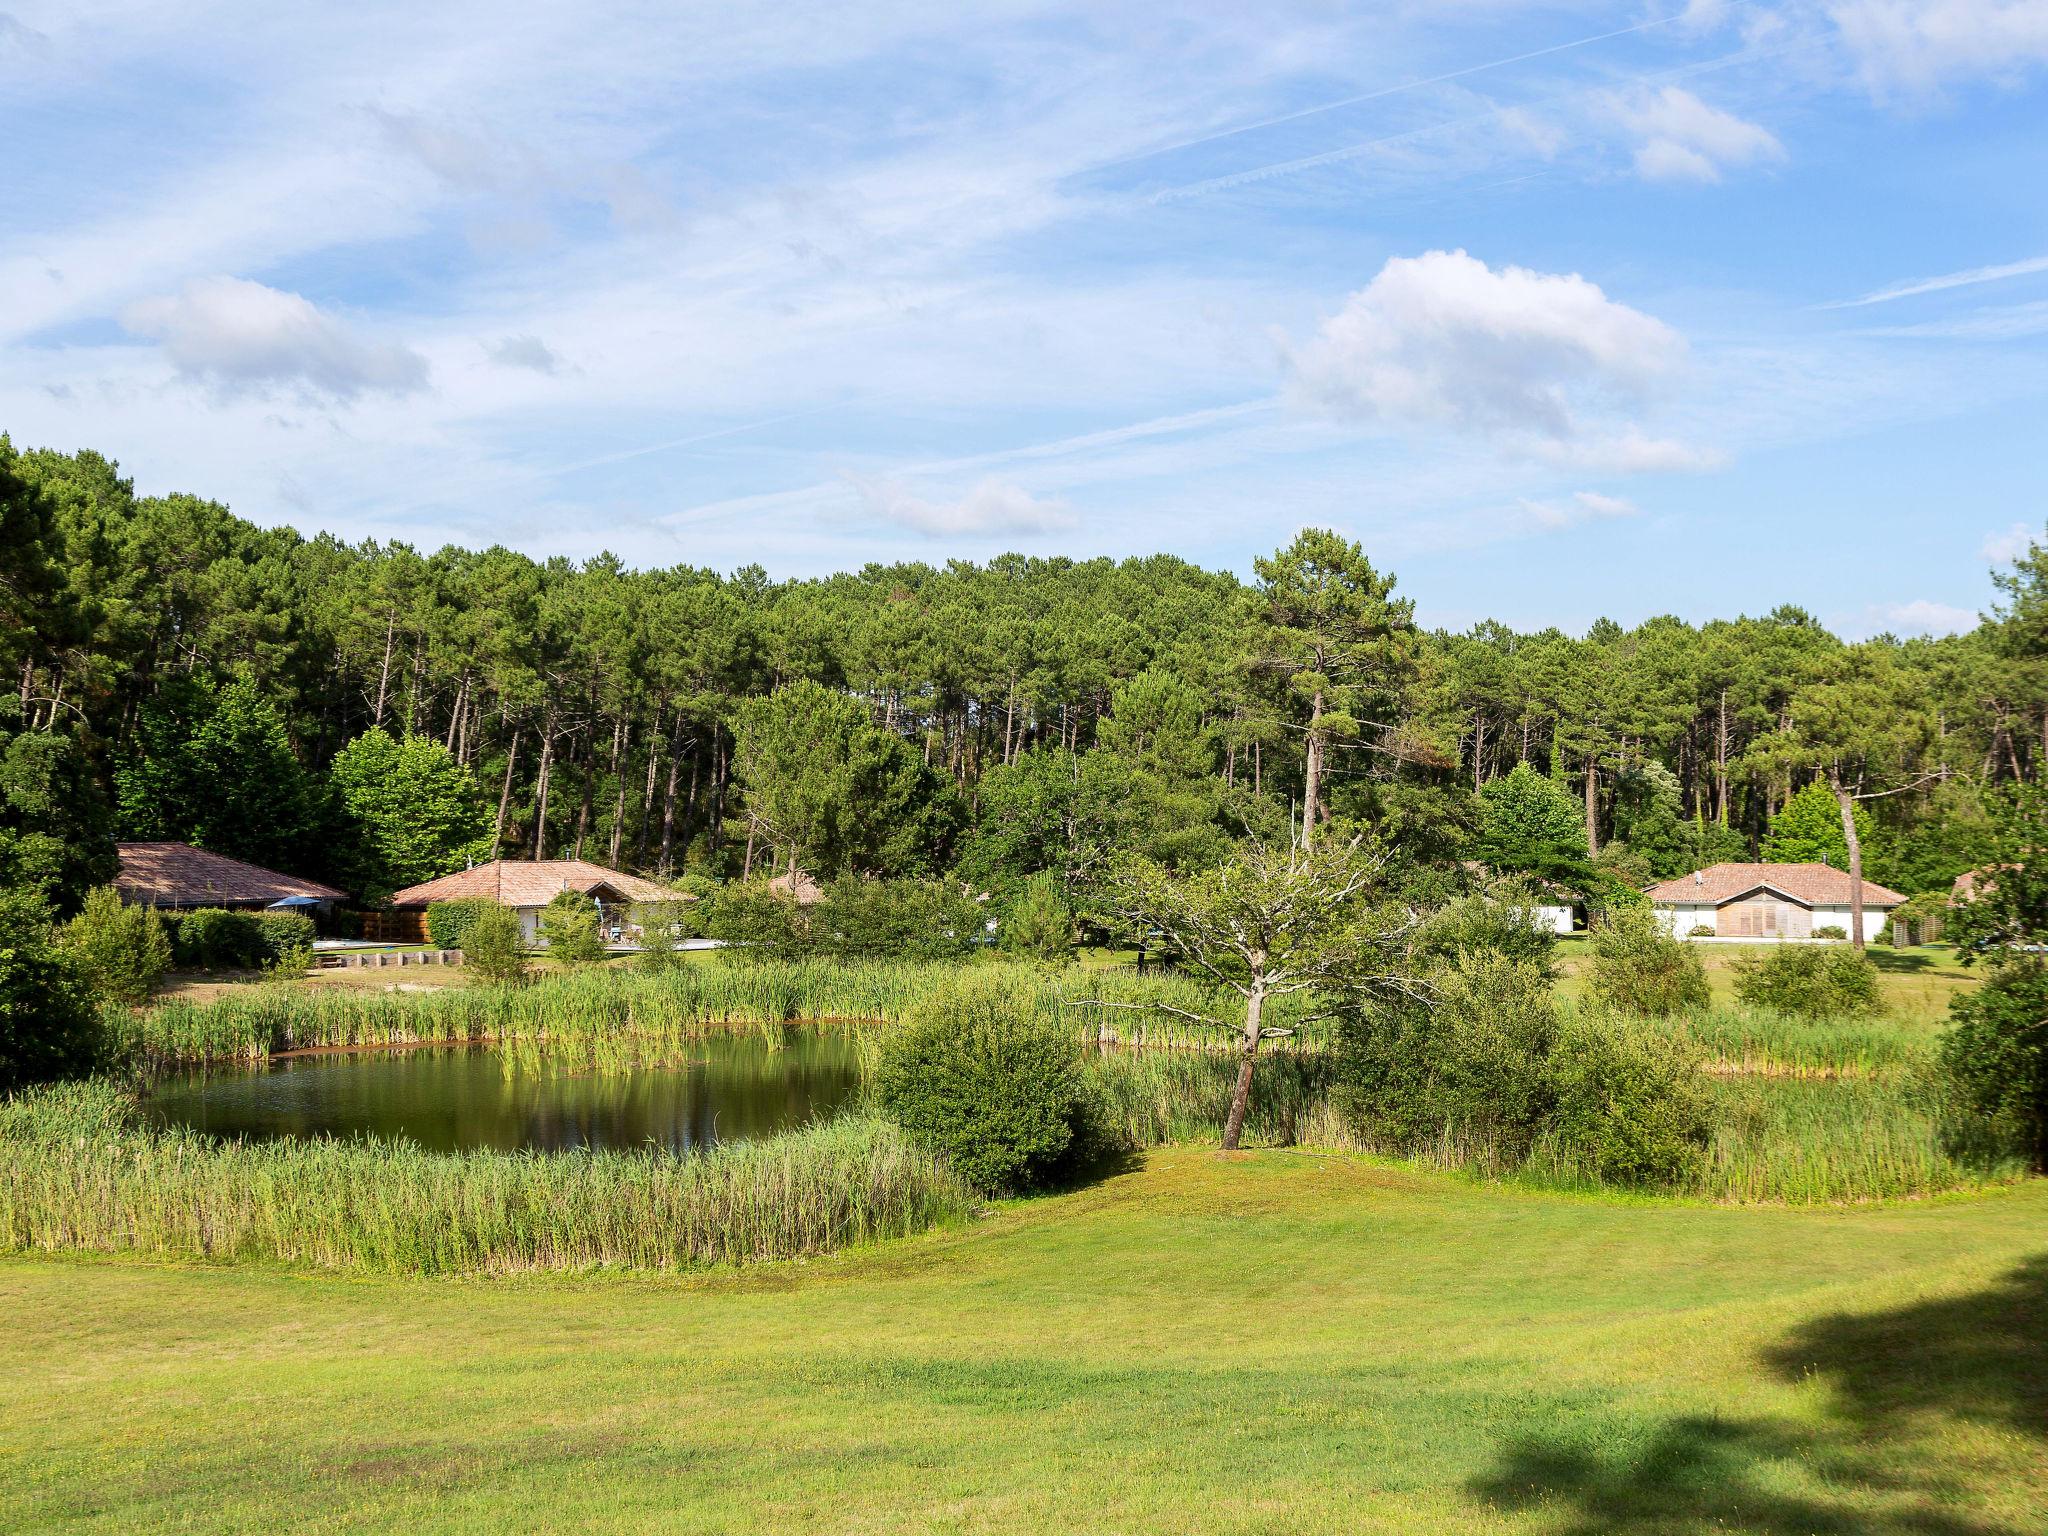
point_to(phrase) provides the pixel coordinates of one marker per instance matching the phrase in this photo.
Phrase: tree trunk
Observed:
(1721, 761)
(384, 676)
(619, 791)
(1312, 777)
(505, 796)
(1592, 806)
(1241, 1097)
(540, 792)
(1848, 804)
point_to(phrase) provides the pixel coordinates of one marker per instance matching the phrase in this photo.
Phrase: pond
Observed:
(723, 1088)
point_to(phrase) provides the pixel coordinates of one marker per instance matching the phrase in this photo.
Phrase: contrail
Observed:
(1963, 279)
(1391, 90)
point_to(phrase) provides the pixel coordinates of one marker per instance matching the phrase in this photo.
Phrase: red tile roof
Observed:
(1811, 885)
(179, 875)
(527, 883)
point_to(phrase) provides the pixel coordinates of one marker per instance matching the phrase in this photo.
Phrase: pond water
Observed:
(724, 1088)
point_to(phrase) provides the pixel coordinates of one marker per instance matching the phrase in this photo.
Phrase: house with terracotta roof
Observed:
(1768, 901)
(179, 877)
(528, 885)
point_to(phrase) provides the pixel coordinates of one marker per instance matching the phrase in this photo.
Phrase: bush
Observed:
(663, 927)
(895, 920)
(1831, 931)
(120, 952)
(572, 928)
(1809, 981)
(1039, 925)
(286, 939)
(1510, 928)
(1472, 1064)
(492, 949)
(215, 939)
(978, 1074)
(1640, 969)
(47, 1028)
(754, 923)
(449, 922)
(1702, 931)
(1995, 1056)
(1632, 1106)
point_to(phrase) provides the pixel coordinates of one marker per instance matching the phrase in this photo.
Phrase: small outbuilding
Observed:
(528, 885)
(1768, 901)
(179, 877)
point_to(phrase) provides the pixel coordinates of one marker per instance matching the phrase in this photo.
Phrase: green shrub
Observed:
(287, 940)
(1509, 927)
(215, 939)
(1640, 969)
(663, 927)
(1702, 931)
(449, 922)
(47, 1028)
(1471, 1064)
(755, 923)
(1831, 931)
(1809, 981)
(979, 1074)
(572, 928)
(119, 951)
(493, 948)
(1632, 1105)
(1039, 925)
(862, 919)
(1995, 1057)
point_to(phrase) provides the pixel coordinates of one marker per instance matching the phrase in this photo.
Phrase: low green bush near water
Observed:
(980, 1075)
(119, 951)
(80, 1169)
(215, 939)
(1641, 970)
(1810, 981)
(493, 947)
(571, 927)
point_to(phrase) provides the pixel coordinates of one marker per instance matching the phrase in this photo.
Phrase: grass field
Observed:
(1916, 983)
(1274, 1343)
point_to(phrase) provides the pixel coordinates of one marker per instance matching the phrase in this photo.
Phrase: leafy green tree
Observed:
(832, 793)
(47, 1029)
(119, 951)
(1640, 969)
(1529, 825)
(571, 929)
(1332, 630)
(1269, 924)
(900, 919)
(1039, 925)
(1809, 829)
(56, 829)
(215, 768)
(410, 810)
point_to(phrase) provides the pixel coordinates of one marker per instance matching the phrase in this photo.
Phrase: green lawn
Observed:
(1280, 1343)
(1916, 983)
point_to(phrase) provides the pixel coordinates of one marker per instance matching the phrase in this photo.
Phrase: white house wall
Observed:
(1680, 920)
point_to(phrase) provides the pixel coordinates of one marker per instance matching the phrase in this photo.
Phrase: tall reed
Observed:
(79, 1171)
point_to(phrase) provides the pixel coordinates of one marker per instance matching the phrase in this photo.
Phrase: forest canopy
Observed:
(178, 671)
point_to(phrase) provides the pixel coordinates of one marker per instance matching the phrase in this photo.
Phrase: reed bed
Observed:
(79, 1171)
(1758, 1041)
(591, 1015)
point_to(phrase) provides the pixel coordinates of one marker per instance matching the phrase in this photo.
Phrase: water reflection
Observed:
(724, 1088)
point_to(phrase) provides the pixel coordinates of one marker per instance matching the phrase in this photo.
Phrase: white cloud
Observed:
(2002, 548)
(991, 506)
(1924, 617)
(1539, 133)
(1684, 139)
(1542, 359)
(1968, 278)
(242, 336)
(1582, 507)
(523, 352)
(1916, 46)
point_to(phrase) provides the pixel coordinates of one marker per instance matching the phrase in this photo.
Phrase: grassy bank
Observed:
(1273, 1343)
(79, 1172)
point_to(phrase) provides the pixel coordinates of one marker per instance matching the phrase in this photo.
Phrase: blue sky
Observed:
(1563, 310)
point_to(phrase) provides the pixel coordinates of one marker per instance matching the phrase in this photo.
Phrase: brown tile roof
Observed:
(1811, 885)
(179, 875)
(799, 885)
(526, 883)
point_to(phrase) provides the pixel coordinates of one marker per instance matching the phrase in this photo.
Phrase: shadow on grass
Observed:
(1899, 1381)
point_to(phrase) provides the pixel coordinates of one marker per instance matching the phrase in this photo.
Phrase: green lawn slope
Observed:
(1278, 1343)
